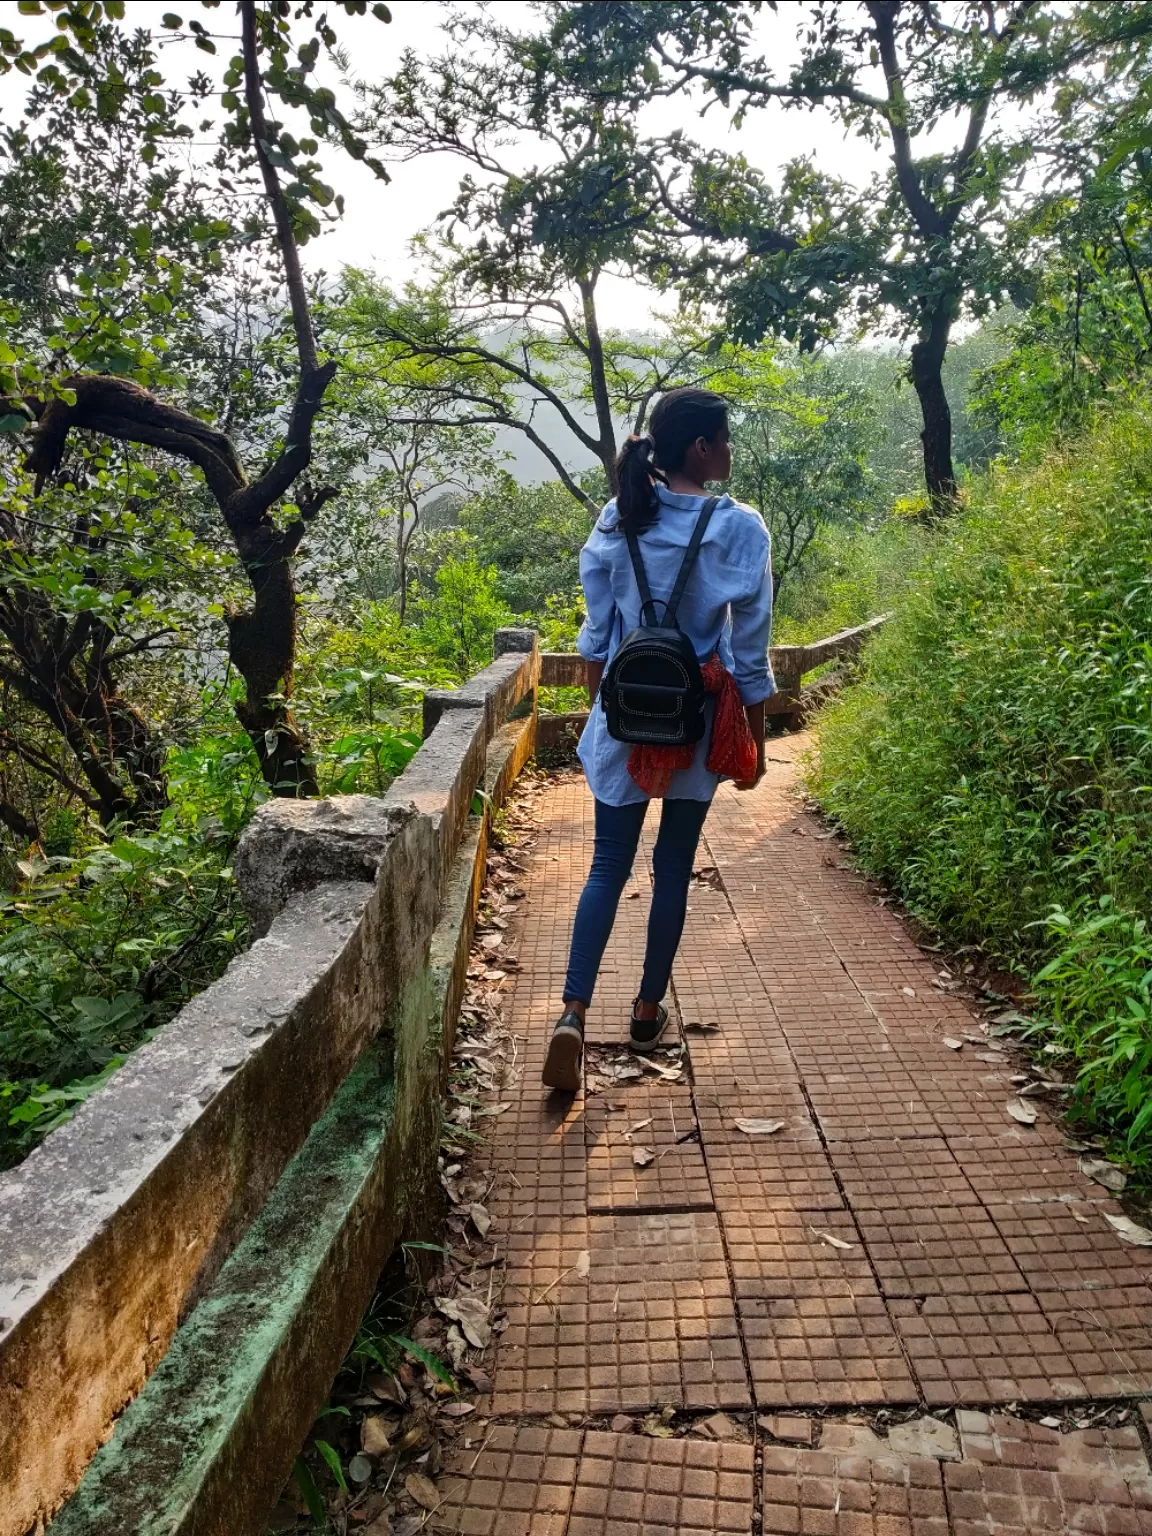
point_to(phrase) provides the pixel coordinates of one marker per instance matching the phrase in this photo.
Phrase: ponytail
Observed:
(636, 474)
(680, 417)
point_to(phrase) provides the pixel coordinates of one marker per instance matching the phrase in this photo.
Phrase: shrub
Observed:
(99, 947)
(994, 763)
(852, 575)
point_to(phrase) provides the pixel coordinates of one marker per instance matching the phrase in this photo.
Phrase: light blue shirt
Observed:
(727, 607)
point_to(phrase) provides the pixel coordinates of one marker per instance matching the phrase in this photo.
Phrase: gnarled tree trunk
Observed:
(262, 637)
(927, 363)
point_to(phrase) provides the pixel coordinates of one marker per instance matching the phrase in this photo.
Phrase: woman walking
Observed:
(664, 557)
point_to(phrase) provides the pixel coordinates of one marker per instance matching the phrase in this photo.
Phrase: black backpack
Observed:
(653, 693)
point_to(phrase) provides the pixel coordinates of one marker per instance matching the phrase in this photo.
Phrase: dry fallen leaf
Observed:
(952, 1044)
(478, 1376)
(639, 1126)
(759, 1127)
(457, 1410)
(583, 1264)
(643, 1157)
(1022, 1111)
(480, 1219)
(908, 991)
(669, 1074)
(472, 1315)
(1103, 1172)
(387, 1388)
(1129, 1231)
(423, 1490)
(374, 1439)
(627, 1074)
(833, 1242)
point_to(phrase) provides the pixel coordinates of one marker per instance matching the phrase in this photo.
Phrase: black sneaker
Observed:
(562, 1064)
(644, 1034)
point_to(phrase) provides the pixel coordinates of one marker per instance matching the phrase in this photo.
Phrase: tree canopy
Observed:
(929, 241)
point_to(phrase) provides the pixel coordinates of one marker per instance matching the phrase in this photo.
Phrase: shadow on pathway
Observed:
(900, 1242)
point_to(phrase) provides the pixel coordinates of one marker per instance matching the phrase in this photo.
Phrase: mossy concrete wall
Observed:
(206, 1447)
(218, 1413)
(208, 1444)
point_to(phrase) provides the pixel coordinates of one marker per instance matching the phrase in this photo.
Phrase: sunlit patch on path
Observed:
(817, 1208)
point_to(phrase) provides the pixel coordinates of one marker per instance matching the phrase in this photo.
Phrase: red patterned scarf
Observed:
(733, 749)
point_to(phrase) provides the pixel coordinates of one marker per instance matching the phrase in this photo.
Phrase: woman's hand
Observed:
(751, 783)
(755, 713)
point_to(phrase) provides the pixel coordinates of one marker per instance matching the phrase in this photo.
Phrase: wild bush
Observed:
(994, 762)
(106, 935)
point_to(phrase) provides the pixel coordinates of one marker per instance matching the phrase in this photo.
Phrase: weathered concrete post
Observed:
(207, 1231)
(497, 689)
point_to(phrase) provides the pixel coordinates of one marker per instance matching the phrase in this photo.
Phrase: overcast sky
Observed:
(380, 221)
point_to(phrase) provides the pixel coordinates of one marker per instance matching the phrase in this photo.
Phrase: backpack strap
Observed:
(689, 561)
(686, 565)
(646, 599)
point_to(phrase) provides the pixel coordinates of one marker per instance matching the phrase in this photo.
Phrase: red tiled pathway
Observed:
(900, 1242)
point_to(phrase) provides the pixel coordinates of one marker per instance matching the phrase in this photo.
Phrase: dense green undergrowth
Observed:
(854, 574)
(106, 932)
(994, 762)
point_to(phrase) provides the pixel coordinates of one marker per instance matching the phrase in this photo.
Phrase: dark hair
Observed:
(680, 417)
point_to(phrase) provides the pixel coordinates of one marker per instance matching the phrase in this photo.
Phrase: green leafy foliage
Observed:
(309, 1491)
(102, 941)
(799, 458)
(1097, 995)
(460, 617)
(532, 535)
(994, 763)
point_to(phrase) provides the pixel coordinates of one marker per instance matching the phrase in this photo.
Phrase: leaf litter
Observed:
(830, 1239)
(1021, 1111)
(402, 1416)
(1104, 1172)
(1129, 1231)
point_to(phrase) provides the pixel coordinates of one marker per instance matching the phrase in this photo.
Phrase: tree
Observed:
(923, 244)
(104, 245)
(462, 613)
(533, 535)
(399, 459)
(50, 382)
(1088, 329)
(800, 456)
(522, 254)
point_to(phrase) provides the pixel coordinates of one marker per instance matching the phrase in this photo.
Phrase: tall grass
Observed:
(994, 762)
(853, 575)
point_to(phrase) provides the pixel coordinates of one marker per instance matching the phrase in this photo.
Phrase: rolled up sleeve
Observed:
(752, 633)
(599, 605)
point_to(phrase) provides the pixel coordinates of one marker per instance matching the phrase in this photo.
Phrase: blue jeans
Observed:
(617, 837)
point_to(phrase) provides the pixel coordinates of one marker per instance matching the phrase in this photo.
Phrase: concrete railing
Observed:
(183, 1266)
(790, 663)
